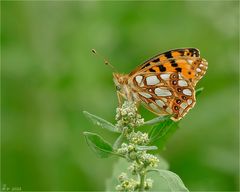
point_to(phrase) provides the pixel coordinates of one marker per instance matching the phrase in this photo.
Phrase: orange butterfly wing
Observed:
(166, 83)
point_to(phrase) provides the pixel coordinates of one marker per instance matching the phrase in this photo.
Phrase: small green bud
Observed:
(119, 188)
(149, 160)
(148, 184)
(132, 168)
(131, 147)
(127, 115)
(123, 150)
(138, 138)
(122, 177)
(133, 155)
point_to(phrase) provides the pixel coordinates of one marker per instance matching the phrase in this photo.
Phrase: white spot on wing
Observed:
(180, 76)
(182, 83)
(139, 79)
(162, 92)
(169, 110)
(201, 65)
(154, 107)
(190, 61)
(187, 92)
(184, 105)
(152, 80)
(146, 95)
(198, 70)
(160, 103)
(189, 101)
(180, 110)
(165, 76)
(164, 99)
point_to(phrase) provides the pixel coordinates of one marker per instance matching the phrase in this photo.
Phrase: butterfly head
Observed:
(121, 82)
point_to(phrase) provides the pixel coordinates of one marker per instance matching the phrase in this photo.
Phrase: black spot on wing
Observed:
(156, 60)
(168, 54)
(152, 70)
(162, 68)
(173, 63)
(194, 52)
(181, 52)
(178, 69)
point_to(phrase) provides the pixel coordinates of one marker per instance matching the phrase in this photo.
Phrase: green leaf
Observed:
(101, 122)
(165, 180)
(161, 132)
(199, 91)
(98, 144)
(146, 148)
(158, 130)
(163, 164)
(157, 120)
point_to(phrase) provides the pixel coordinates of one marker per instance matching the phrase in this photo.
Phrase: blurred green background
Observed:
(49, 76)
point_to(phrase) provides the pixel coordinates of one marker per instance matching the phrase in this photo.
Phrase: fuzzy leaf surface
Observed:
(165, 180)
(161, 132)
(157, 120)
(146, 148)
(98, 144)
(101, 122)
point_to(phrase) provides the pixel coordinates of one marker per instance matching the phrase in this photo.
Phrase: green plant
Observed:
(145, 171)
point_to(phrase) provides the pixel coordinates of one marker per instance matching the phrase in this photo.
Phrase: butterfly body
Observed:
(165, 84)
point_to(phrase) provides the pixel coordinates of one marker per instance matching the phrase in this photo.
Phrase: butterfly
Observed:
(164, 84)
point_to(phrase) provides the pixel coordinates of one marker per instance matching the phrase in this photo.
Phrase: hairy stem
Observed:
(119, 141)
(142, 180)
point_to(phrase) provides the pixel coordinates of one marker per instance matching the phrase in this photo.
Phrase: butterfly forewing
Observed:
(166, 56)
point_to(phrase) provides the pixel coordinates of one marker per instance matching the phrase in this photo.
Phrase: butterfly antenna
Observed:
(106, 62)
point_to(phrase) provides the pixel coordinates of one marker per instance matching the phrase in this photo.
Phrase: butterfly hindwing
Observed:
(165, 93)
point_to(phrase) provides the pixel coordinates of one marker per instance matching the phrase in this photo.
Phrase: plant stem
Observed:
(142, 180)
(119, 141)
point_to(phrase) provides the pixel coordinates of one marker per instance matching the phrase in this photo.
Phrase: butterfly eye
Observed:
(118, 88)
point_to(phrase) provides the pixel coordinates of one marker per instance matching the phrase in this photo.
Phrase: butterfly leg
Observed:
(120, 99)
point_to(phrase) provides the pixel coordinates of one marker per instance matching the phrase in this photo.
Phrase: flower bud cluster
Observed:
(148, 184)
(128, 119)
(126, 150)
(126, 184)
(149, 159)
(127, 116)
(135, 167)
(138, 138)
(130, 185)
